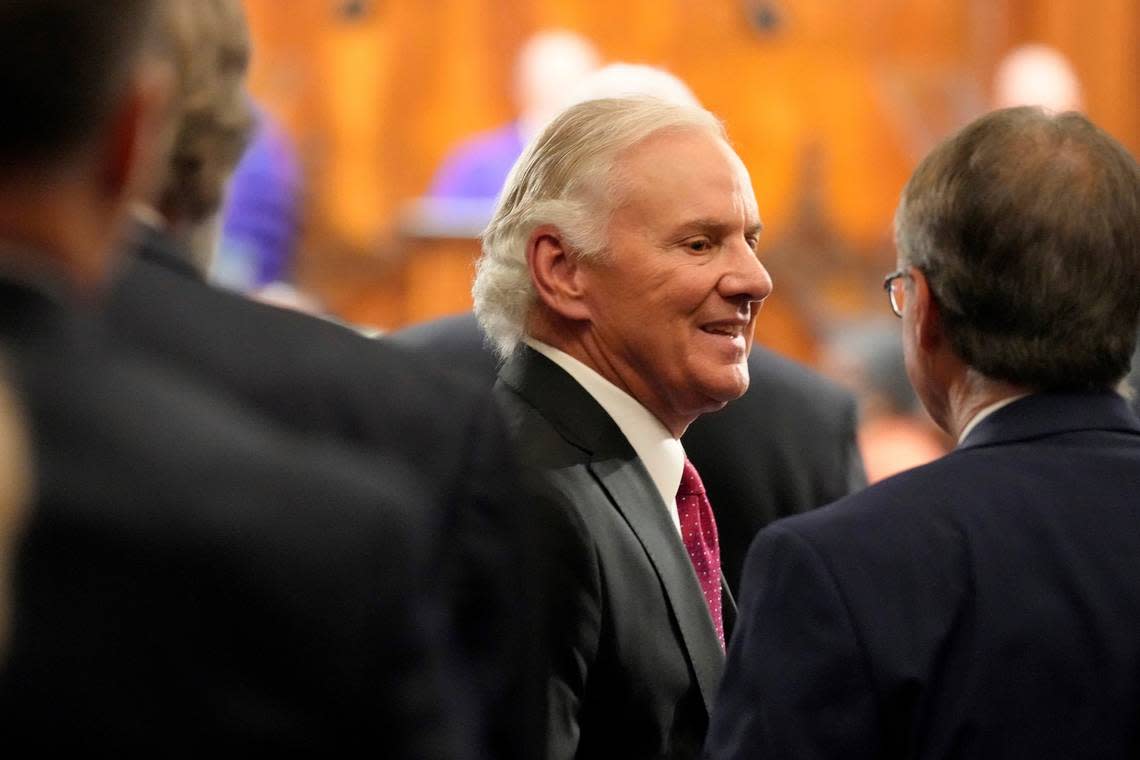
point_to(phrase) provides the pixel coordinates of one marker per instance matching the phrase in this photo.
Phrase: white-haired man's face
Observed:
(674, 302)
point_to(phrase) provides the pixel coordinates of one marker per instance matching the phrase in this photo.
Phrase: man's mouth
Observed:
(729, 329)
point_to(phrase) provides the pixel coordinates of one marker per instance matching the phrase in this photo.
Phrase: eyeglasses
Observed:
(896, 294)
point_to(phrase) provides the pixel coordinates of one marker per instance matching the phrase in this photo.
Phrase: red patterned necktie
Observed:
(698, 530)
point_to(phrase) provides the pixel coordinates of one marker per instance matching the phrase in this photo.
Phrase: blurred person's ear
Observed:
(932, 365)
(138, 137)
(927, 322)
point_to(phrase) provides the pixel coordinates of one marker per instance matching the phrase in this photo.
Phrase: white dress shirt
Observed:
(661, 453)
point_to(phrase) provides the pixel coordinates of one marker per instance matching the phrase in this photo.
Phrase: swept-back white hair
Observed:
(565, 178)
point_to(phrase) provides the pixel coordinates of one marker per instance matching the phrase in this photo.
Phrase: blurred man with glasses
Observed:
(986, 604)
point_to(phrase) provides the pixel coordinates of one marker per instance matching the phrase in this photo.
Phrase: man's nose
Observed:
(747, 279)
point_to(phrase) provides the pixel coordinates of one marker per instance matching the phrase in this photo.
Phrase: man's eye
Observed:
(698, 245)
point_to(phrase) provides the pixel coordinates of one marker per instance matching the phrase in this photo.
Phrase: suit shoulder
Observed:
(904, 507)
(788, 380)
(457, 331)
(455, 341)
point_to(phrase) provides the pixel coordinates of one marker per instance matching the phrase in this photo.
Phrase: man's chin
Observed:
(723, 394)
(733, 384)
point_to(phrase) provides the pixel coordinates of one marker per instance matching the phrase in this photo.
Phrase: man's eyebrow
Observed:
(715, 227)
(706, 224)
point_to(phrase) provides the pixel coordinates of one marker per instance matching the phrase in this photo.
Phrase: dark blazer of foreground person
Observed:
(190, 580)
(325, 380)
(786, 446)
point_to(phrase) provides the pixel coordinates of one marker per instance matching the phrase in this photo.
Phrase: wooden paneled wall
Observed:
(829, 104)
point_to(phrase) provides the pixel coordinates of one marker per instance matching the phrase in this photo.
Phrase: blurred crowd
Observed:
(229, 522)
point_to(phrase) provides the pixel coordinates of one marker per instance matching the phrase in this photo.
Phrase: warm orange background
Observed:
(830, 110)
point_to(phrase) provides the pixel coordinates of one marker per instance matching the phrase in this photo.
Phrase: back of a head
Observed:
(551, 62)
(61, 61)
(568, 177)
(1027, 226)
(208, 43)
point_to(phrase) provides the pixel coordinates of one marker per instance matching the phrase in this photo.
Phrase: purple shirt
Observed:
(261, 220)
(478, 167)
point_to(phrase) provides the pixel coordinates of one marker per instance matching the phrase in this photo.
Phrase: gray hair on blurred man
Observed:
(207, 41)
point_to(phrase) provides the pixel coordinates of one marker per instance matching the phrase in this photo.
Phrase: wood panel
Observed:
(1102, 39)
(830, 105)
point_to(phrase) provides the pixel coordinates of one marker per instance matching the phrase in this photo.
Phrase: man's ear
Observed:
(927, 316)
(137, 141)
(557, 273)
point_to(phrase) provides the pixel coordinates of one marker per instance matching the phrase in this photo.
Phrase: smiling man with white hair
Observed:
(620, 282)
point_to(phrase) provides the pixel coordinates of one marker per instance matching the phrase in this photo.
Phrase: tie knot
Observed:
(691, 484)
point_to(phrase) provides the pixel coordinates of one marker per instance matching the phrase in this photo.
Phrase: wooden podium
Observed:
(440, 238)
(425, 269)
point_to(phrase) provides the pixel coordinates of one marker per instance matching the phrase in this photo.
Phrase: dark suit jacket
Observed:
(786, 446)
(192, 581)
(986, 605)
(635, 656)
(329, 382)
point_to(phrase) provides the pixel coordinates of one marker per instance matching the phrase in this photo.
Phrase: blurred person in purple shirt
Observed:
(261, 220)
(549, 65)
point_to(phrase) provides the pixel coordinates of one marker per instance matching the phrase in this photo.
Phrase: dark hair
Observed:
(1027, 227)
(60, 63)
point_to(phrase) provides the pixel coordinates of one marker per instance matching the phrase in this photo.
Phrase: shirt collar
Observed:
(986, 411)
(660, 452)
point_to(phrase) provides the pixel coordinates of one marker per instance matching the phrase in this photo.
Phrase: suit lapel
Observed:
(632, 493)
(612, 463)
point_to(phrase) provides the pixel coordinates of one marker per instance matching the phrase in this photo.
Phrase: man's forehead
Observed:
(677, 137)
(677, 162)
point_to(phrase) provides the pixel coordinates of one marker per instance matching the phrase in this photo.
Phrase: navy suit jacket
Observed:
(986, 605)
